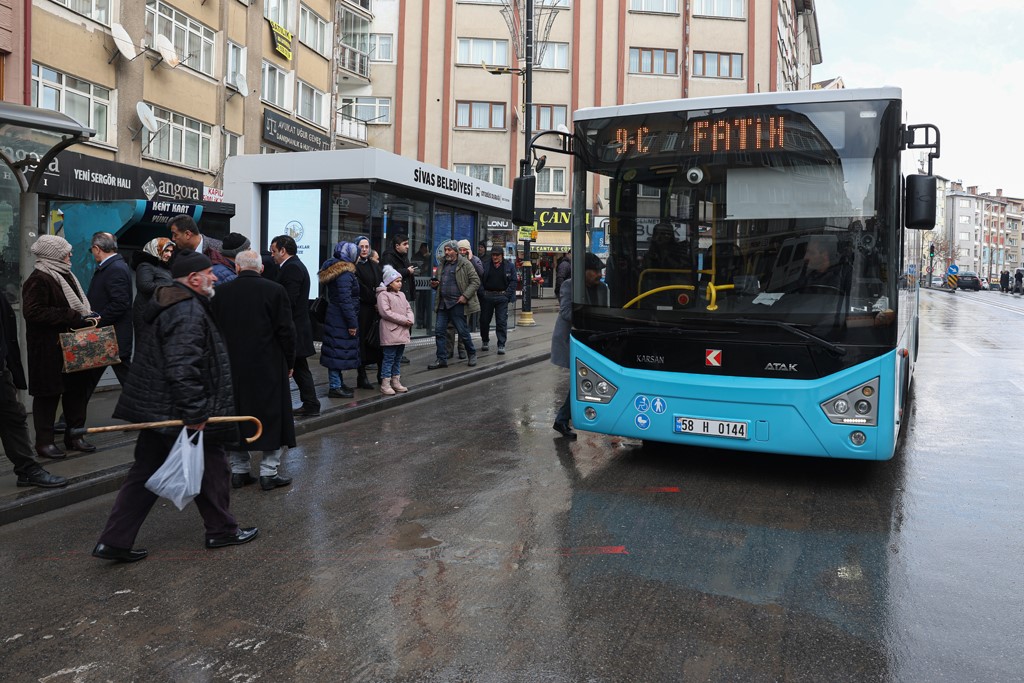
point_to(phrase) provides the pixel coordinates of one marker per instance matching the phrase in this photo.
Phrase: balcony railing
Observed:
(355, 61)
(351, 128)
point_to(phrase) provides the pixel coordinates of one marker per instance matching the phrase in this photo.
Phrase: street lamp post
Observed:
(525, 316)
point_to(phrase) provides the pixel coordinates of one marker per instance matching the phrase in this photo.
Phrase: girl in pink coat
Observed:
(396, 320)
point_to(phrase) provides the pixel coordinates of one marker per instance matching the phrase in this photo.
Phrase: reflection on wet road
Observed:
(458, 540)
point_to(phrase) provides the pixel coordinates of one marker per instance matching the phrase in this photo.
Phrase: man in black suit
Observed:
(13, 419)
(110, 294)
(294, 277)
(255, 319)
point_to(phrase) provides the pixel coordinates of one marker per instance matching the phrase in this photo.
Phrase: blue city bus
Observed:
(760, 286)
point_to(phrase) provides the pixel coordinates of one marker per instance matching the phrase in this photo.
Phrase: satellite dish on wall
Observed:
(167, 52)
(147, 118)
(123, 43)
(240, 84)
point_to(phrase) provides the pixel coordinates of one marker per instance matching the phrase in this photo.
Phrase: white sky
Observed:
(960, 65)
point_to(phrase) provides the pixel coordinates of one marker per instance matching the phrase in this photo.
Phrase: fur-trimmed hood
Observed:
(333, 269)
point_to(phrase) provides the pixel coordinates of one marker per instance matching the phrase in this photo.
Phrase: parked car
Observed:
(968, 279)
(938, 281)
(984, 282)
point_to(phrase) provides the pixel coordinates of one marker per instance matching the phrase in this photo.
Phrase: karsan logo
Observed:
(649, 359)
(781, 367)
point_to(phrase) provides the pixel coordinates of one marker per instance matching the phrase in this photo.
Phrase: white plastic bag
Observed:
(179, 478)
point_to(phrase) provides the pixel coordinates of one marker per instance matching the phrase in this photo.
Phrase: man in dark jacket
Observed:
(255, 320)
(182, 372)
(110, 294)
(498, 284)
(397, 256)
(13, 418)
(294, 277)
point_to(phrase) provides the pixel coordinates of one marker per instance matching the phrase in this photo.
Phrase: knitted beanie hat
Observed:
(51, 247)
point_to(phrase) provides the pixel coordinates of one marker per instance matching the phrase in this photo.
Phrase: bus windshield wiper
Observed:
(793, 329)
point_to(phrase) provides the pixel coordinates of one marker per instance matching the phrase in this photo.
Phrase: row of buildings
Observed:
(173, 88)
(977, 231)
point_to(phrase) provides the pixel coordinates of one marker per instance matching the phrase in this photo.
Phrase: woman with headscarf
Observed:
(53, 301)
(369, 273)
(340, 348)
(152, 270)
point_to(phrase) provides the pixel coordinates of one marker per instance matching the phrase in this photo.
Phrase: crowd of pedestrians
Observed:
(188, 355)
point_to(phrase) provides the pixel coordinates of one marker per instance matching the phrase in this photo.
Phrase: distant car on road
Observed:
(968, 279)
(938, 281)
(984, 282)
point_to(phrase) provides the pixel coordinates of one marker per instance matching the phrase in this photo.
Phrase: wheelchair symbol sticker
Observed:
(642, 404)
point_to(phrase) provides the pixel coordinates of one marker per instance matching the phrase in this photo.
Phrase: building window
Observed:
(311, 104)
(965, 203)
(232, 144)
(556, 56)
(180, 140)
(83, 101)
(648, 191)
(235, 65)
(718, 65)
(314, 32)
(549, 116)
(472, 51)
(97, 10)
(354, 52)
(367, 109)
(663, 6)
(275, 86)
(381, 47)
(278, 11)
(193, 42)
(964, 236)
(490, 115)
(644, 60)
(490, 174)
(551, 181)
(965, 219)
(730, 9)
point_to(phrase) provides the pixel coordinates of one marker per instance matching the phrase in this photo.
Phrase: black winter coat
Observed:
(294, 277)
(400, 262)
(110, 295)
(150, 273)
(340, 350)
(47, 314)
(369, 274)
(10, 353)
(181, 369)
(255, 321)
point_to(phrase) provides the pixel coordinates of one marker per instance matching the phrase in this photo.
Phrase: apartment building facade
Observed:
(984, 230)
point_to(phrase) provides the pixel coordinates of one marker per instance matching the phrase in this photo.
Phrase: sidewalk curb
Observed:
(37, 501)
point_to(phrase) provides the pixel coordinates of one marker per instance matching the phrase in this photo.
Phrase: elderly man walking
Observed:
(110, 294)
(456, 283)
(181, 372)
(255, 319)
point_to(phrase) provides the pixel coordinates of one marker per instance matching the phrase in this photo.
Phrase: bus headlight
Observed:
(592, 387)
(837, 408)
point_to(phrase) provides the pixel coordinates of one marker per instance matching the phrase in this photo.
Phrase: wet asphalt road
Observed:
(459, 540)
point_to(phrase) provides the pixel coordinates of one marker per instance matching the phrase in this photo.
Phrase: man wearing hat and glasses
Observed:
(181, 372)
(498, 283)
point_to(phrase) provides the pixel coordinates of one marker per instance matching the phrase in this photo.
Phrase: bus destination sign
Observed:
(707, 135)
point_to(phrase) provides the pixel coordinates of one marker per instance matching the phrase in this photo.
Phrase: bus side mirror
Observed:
(524, 196)
(919, 210)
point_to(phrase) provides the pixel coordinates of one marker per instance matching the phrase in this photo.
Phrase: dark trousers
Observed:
(565, 412)
(457, 315)
(120, 371)
(307, 388)
(14, 426)
(74, 400)
(134, 500)
(496, 305)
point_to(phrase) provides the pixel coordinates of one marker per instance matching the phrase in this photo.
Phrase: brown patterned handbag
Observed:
(90, 347)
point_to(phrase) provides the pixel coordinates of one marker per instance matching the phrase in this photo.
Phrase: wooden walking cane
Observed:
(137, 426)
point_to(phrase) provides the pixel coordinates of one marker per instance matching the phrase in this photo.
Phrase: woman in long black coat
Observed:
(151, 271)
(51, 306)
(340, 348)
(369, 273)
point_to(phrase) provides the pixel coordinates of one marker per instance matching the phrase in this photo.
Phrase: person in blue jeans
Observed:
(498, 283)
(456, 283)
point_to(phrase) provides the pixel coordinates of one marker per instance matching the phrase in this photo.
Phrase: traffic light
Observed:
(931, 250)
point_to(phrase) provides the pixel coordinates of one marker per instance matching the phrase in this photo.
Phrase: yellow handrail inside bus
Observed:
(666, 288)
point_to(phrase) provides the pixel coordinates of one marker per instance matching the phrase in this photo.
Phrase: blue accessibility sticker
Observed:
(642, 404)
(642, 421)
(658, 405)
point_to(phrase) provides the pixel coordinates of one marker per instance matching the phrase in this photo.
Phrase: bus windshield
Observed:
(773, 214)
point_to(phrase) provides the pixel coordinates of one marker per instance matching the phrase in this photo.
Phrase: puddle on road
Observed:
(412, 536)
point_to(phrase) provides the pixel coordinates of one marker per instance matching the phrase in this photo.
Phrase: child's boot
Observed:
(396, 384)
(385, 387)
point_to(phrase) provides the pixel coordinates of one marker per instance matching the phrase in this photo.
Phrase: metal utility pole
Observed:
(525, 316)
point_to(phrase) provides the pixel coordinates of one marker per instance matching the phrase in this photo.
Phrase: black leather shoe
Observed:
(405, 360)
(240, 479)
(42, 479)
(484, 346)
(270, 483)
(364, 383)
(305, 412)
(50, 451)
(565, 430)
(472, 360)
(240, 537)
(79, 444)
(437, 364)
(343, 392)
(109, 552)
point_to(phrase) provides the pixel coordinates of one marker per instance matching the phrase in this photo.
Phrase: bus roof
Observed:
(744, 100)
